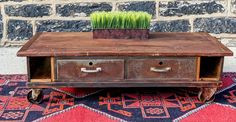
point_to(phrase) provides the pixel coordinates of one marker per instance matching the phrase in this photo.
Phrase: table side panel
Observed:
(127, 83)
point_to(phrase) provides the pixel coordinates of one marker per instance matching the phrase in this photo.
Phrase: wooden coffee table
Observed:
(75, 59)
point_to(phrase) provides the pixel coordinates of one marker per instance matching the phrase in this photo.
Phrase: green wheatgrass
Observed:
(120, 20)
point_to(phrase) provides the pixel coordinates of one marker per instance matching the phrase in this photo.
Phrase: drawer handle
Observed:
(165, 69)
(98, 69)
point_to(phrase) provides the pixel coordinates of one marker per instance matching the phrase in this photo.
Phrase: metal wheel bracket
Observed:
(35, 93)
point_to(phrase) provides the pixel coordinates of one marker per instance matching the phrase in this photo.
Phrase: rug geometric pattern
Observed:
(136, 104)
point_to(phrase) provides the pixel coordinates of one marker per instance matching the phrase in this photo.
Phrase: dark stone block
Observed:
(63, 26)
(180, 8)
(148, 6)
(171, 26)
(82, 9)
(19, 30)
(215, 25)
(31, 10)
(1, 26)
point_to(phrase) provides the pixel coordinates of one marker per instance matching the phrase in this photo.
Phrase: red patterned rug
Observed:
(107, 105)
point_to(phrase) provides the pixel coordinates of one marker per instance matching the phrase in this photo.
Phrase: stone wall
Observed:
(20, 19)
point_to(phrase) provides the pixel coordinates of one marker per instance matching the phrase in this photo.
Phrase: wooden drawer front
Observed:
(90, 70)
(162, 68)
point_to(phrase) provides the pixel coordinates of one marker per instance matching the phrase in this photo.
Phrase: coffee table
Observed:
(75, 59)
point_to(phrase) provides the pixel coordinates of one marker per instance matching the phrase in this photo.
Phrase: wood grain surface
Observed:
(159, 44)
(70, 70)
(127, 83)
(181, 68)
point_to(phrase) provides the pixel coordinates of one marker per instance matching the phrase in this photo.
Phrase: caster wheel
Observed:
(211, 99)
(38, 100)
(207, 95)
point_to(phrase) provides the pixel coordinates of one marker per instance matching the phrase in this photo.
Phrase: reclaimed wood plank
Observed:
(159, 44)
(127, 83)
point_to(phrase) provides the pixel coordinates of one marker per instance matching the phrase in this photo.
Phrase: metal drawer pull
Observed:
(98, 69)
(165, 69)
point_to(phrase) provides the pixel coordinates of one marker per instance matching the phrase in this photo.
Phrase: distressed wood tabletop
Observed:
(159, 44)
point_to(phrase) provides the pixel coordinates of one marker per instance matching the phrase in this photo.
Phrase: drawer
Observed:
(162, 68)
(90, 70)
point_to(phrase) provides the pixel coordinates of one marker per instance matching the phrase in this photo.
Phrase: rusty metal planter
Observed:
(120, 33)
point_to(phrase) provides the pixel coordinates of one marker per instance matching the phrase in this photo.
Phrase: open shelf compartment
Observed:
(40, 69)
(210, 68)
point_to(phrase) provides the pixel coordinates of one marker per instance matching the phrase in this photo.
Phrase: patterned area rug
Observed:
(107, 105)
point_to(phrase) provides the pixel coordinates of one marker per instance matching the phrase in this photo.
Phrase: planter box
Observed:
(120, 33)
